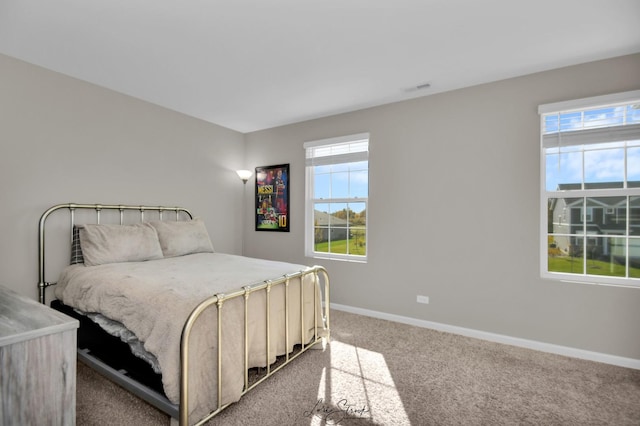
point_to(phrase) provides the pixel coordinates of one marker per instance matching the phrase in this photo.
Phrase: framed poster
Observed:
(272, 198)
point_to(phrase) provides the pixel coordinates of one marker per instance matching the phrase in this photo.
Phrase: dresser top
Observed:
(23, 319)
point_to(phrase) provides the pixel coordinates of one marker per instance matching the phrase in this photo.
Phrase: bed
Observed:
(163, 314)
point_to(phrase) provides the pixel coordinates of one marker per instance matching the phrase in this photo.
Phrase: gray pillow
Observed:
(119, 243)
(181, 238)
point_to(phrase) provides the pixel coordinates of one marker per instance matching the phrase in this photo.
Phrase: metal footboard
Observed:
(246, 292)
(320, 301)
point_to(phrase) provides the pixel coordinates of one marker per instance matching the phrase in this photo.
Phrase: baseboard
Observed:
(497, 338)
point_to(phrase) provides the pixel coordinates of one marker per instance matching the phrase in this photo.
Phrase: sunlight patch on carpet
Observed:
(358, 385)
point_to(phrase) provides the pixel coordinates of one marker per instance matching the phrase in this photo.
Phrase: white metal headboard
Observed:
(71, 208)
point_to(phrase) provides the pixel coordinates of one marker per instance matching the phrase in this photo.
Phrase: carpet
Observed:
(378, 372)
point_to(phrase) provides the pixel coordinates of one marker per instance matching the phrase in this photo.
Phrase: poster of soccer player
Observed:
(272, 198)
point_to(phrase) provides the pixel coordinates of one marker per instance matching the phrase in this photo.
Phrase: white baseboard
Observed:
(497, 338)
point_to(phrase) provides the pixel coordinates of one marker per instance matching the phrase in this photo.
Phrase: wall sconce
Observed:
(244, 175)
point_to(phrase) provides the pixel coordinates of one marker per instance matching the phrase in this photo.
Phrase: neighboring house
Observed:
(602, 217)
(338, 229)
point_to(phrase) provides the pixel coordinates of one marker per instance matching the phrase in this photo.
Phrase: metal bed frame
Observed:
(181, 411)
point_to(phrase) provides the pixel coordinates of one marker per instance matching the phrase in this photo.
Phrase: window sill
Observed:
(360, 259)
(622, 282)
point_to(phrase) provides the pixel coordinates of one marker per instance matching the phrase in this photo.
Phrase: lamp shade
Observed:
(244, 175)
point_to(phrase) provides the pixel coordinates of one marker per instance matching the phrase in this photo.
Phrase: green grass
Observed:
(340, 246)
(594, 267)
(565, 264)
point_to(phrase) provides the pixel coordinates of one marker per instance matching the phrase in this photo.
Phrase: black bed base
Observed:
(94, 341)
(113, 358)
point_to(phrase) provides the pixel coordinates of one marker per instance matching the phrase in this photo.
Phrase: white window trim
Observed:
(567, 106)
(309, 202)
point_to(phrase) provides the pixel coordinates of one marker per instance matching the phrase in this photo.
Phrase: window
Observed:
(337, 189)
(590, 190)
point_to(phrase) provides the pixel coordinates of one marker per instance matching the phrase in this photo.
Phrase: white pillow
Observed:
(119, 243)
(184, 237)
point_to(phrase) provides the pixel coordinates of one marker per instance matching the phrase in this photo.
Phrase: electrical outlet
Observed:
(423, 299)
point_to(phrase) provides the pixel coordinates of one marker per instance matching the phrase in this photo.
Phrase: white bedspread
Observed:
(154, 298)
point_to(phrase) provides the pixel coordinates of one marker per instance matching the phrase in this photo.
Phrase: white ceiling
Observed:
(255, 64)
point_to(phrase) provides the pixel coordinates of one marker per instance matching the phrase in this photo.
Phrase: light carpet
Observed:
(378, 372)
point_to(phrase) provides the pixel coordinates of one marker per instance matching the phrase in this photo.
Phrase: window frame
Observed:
(584, 192)
(311, 201)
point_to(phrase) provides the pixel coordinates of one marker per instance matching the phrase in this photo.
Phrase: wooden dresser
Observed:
(37, 363)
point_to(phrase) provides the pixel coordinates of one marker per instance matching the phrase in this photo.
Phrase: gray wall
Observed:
(63, 140)
(453, 207)
(454, 212)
